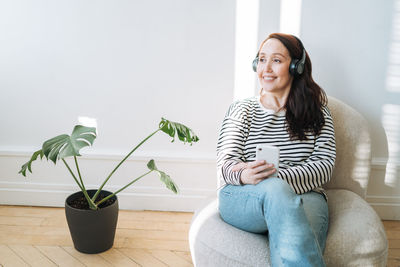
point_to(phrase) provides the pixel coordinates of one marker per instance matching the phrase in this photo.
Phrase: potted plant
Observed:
(92, 214)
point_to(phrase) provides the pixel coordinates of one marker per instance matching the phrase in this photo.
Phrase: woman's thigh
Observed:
(246, 206)
(241, 207)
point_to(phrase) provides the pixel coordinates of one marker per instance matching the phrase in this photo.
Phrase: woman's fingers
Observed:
(256, 163)
(263, 175)
(249, 165)
(263, 168)
(256, 171)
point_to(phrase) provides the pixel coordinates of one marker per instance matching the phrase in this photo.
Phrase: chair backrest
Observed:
(353, 149)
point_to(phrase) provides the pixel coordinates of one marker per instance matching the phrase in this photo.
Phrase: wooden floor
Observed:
(37, 236)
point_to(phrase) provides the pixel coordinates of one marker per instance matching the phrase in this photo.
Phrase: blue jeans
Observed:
(297, 225)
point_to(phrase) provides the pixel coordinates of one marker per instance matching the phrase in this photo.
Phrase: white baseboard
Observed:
(138, 198)
(388, 208)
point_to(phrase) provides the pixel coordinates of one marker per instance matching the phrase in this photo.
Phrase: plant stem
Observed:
(79, 174)
(89, 200)
(73, 175)
(119, 190)
(122, 161)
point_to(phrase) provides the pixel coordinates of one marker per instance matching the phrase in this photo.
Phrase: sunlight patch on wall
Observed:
(290, 17)
(246, 37)
(88, 122)
(391, 124)
(391, 111)
(393, 72)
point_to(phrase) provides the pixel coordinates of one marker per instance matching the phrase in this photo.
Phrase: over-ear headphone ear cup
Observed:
(299, 68)
(293, 67)
(255, 64)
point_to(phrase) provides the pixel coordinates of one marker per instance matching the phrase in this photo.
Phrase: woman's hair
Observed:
(306, 98)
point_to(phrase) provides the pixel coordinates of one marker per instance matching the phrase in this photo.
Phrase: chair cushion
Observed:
(214, 243)
(356, 237)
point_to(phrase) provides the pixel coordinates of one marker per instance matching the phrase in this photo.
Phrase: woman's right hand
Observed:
(255, 171)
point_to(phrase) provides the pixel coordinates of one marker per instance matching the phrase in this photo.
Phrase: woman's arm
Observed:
(230, 147)
(317, 169)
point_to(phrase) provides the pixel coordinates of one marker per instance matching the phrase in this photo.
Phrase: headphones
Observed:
(296, 66)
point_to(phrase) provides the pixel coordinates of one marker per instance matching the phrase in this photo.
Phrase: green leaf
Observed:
(28, 165)
(184, 133)
(63, 146)
(152, 165)
(165, 178)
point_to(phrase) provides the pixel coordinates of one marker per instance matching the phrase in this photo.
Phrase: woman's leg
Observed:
(316, 209)
(272, 205)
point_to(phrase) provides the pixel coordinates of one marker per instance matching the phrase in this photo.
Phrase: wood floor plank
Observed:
(34, 230)
(185, 255)
(393, 234)
(394, 243)
(142, 257)
(26, 239)
(391, 225)
(394, 253)
(151, 216)
(178, 245)
(59, 256)
(117, 258)
(9, 258)
(152, 234)
(32, 255)
(26, 211)
(393, 263)
(59, 221)
(153, 225)
(87, 259)
(21, 220)
(170, 258)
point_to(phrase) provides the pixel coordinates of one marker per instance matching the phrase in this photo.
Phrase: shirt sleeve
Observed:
(317, 169)
(230, 145)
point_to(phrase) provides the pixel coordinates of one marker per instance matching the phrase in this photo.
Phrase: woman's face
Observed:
(273, 67)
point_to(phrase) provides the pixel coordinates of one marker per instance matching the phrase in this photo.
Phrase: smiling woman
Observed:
(291, 114)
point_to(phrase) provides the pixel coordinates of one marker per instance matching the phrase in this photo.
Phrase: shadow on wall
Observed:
(391, 111)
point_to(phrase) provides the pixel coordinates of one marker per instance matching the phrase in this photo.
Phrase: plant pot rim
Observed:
(89, 210)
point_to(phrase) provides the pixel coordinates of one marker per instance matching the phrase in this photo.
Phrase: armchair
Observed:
(356, 236)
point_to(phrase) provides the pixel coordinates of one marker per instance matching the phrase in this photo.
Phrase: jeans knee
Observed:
(276, 193)
(276, 186)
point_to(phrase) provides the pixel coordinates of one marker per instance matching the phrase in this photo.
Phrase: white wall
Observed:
(127, 64)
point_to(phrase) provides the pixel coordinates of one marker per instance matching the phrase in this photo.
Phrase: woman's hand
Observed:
(255, 171)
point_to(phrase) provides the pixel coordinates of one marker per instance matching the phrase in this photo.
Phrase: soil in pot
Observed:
(80, 202)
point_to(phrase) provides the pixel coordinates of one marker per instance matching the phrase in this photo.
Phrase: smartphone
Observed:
(270, 154)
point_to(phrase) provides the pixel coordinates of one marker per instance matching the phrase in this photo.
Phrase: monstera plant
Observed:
(64, 146)
(92, 214)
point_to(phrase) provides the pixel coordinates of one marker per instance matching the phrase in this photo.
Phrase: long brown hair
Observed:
(306, 98)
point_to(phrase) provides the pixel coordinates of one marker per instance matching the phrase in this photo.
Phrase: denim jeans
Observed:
(297, 225)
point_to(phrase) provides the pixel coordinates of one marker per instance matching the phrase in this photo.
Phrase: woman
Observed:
(292, 114)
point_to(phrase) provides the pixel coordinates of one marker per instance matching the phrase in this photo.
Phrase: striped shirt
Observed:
(305, 165)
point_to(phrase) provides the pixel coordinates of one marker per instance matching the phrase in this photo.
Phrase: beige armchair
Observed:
(356, 236)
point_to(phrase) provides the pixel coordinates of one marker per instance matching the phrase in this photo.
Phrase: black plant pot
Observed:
(92, 231)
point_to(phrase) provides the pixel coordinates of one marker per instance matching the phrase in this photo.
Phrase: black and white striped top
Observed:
(305, 165)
